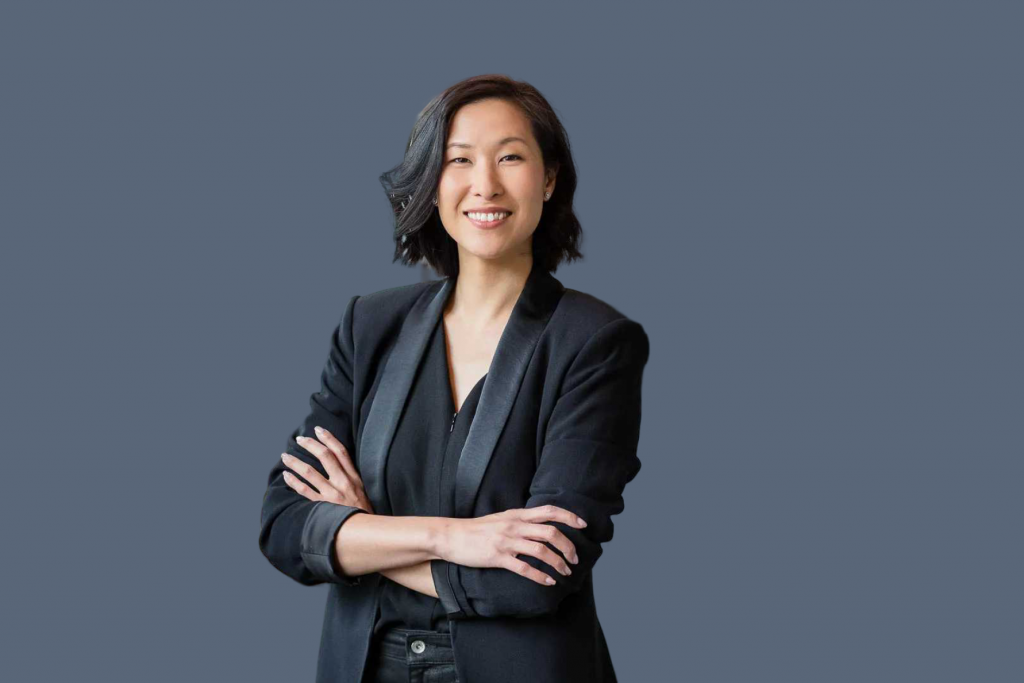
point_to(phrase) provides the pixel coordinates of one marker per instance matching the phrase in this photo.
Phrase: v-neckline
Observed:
(448, 373)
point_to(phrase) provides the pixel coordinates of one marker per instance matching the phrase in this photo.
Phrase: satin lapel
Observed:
(393, 392)
(529, 317)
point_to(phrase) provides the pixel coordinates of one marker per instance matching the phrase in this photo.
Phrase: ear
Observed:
(552, 175)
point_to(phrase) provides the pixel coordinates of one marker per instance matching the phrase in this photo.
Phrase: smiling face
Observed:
(492, 160)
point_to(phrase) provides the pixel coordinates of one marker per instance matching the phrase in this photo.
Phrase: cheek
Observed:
(452, 178)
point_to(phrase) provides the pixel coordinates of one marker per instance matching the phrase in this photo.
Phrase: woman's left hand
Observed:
(343, 484)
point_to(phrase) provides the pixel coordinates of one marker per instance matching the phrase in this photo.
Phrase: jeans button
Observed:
(418, 646)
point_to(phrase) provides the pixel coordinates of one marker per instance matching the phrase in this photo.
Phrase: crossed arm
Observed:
(389, 545)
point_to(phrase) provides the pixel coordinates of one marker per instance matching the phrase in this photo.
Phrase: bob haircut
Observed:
(411, 186)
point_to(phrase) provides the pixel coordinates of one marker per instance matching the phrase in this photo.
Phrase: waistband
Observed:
(414, 646)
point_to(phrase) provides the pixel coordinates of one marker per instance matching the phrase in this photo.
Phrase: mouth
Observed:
(480, 220)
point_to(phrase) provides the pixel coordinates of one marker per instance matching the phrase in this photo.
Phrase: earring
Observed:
(547, 196)
(435, 200)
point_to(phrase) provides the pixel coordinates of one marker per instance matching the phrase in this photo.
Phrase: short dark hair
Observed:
(411, 186)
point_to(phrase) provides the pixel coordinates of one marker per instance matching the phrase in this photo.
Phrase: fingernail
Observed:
(580, 520)
(574, 559)
(550, 581)
(319, 432)
(299, 438)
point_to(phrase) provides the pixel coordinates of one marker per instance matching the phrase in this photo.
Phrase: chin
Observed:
(487, 254)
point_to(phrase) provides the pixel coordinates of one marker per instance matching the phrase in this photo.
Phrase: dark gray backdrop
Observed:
(814, 210)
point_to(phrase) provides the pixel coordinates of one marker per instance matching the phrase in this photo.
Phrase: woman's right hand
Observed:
(495, 540)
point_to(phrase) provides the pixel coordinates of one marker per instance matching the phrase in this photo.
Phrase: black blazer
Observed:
(557, 423)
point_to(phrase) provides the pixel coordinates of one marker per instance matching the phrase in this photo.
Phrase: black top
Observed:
(420, 469)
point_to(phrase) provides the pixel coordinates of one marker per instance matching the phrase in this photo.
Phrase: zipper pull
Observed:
(452, 428)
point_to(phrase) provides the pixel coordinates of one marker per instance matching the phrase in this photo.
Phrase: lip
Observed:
(488, 225)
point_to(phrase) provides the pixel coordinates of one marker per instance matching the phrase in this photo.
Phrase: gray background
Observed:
(813, 208)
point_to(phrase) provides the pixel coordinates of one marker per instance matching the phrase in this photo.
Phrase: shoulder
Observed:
(381, 313)
(583, 318)
(394, 299)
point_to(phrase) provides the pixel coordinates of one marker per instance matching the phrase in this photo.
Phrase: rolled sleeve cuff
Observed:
(449, 590)
(318, 535)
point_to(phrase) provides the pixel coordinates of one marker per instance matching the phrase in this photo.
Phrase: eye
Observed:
(464, 158)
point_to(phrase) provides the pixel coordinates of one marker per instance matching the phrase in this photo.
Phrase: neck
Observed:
(486, 292)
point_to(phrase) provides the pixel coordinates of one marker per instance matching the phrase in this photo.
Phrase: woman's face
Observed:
(482, 169)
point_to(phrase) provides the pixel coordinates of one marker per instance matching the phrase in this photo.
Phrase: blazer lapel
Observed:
(518, 340)
(393, 392)
(529, 317)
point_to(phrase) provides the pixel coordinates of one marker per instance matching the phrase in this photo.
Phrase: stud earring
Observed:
(435, 200)
(547, 196)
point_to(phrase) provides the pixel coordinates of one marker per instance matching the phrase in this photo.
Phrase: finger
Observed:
(323, 454)
(544, 513)
(307, 472)
(523, 569)
(546, 532)
(541, 552)
(299, 487)
(340, 453)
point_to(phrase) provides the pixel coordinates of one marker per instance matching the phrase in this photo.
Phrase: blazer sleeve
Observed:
(589, 455)
(297, 534)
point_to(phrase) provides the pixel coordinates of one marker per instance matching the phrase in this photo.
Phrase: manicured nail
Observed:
(319, 432)
(580, 520)
(550, 581)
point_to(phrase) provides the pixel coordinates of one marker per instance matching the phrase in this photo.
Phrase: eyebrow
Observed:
(501, 142)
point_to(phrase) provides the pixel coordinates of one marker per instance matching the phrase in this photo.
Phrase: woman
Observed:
(484, 425)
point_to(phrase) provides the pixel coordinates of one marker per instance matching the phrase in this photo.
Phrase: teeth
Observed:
(488, 217)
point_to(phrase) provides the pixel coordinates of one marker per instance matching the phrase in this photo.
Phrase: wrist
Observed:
(440, 537)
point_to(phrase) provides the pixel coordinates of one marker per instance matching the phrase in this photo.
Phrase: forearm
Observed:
(415, 577)
(368, 543)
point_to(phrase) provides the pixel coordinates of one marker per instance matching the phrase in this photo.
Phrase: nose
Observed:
(486, 182)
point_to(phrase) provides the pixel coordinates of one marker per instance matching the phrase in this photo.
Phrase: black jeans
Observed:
(411, 656)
